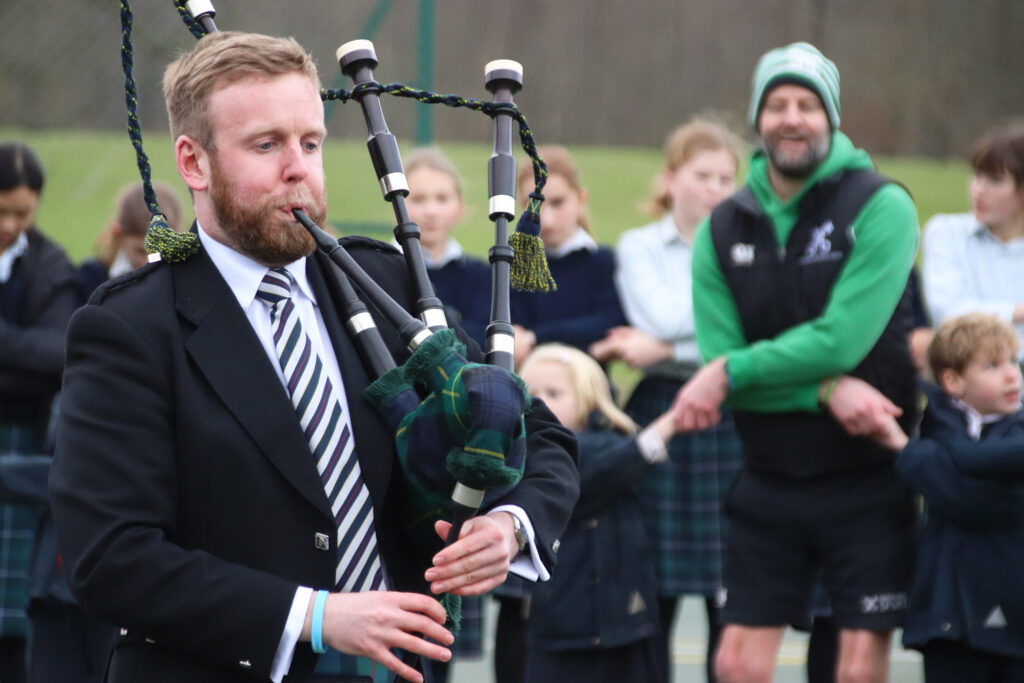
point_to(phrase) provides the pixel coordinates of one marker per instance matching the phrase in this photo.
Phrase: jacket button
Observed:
(556, 545)
(245, 663)
(595, 580)
(321, 541)
(946, 626)
(592, 523)
(596, 640)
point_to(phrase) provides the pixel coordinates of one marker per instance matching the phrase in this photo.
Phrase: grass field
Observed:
(87, 169)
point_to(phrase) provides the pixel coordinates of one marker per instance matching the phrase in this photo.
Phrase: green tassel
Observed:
(529, 271)
(173, 247)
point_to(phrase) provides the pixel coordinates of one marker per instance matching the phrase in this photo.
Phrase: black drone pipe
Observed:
(502, 78)
(357, 60)
(412, 330)
(204, 13)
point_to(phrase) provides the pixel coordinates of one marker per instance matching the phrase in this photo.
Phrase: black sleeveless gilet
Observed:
(777, 288)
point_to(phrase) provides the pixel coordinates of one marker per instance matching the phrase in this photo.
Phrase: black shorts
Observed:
(856, 530)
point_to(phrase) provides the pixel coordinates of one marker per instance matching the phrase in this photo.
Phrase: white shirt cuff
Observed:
(292, 630)
(652, 448)
(526, 565)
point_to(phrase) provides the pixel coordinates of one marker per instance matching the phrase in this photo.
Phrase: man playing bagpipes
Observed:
(223, 491)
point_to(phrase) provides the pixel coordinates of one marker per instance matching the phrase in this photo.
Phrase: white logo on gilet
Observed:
(742, 254)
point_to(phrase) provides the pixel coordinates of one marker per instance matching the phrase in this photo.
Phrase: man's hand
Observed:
(860, 409)
(636, 348)
(369, 624)
(698, 404)
(891, 436)
(479, 560)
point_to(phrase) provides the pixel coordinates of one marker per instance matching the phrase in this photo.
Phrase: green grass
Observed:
(87, 169)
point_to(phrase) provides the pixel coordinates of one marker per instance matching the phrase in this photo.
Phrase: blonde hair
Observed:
(559, 161)
(699, 134)
(220, 59)
(132, 216)
(434, 159)
(589, 382)
(960, 340)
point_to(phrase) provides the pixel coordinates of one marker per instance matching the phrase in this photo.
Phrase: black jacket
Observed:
(185, 497)
(603, 593)
(35, 306)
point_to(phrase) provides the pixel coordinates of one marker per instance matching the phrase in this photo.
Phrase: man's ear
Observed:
(193, 163)
(952, 382)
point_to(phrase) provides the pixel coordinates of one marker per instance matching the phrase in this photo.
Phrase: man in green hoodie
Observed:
(802, 319)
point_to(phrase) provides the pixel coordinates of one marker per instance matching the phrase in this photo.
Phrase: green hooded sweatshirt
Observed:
(785, 373)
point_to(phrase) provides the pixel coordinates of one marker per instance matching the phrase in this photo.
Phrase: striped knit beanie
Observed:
(802, 64)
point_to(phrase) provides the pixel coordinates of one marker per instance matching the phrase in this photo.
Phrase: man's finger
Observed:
(480, 587)
(423, 605)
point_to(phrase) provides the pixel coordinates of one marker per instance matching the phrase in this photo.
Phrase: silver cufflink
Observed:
(321, 542)
(245, 663)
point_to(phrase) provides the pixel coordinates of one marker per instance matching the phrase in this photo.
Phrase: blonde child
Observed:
(462, 282)
(966, 607)
(597, 619)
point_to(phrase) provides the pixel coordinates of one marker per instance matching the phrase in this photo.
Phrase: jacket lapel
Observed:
(228, 354)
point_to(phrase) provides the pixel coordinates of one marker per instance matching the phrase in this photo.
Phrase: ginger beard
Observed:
(257, 227)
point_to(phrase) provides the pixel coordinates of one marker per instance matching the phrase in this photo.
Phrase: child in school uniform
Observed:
(579, 312)
(966, 607)
(585, 305)
(597, 618)
(462, 282)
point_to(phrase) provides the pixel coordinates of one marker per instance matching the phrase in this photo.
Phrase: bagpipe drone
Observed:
(459, 426)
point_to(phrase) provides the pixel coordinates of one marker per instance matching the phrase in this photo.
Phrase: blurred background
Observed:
(609, 78)
(919, 77)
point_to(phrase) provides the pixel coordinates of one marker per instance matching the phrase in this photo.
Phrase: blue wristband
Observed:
(316, 631)
(728, 376)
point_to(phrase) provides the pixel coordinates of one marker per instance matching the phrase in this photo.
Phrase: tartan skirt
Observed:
(17, 530)
(682, 499)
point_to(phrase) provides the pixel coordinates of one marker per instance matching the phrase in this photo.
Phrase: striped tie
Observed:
(330, 438)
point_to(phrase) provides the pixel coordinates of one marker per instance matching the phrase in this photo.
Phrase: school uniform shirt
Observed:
(653, 282)
(967, 268)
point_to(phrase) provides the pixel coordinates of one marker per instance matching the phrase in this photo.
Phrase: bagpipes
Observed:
(459, 426)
